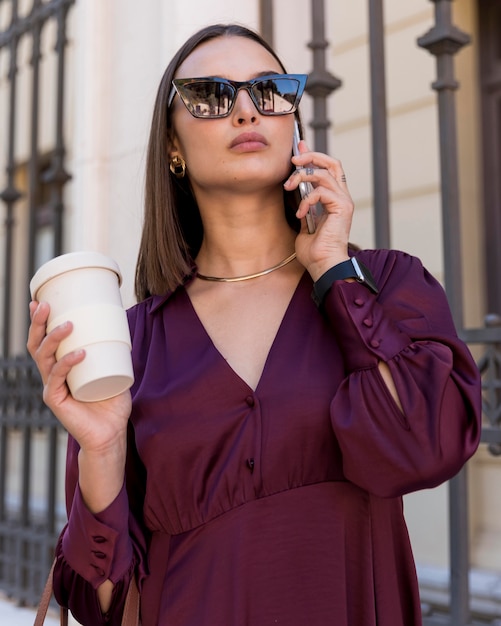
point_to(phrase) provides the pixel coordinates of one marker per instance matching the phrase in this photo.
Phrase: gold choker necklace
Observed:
(237, 279)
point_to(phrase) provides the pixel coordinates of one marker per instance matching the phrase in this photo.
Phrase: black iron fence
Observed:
(31, 467)
(32, 38)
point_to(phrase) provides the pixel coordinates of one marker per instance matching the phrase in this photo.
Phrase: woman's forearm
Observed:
(101, 475)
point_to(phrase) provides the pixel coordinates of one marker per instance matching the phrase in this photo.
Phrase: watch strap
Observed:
(352, 268)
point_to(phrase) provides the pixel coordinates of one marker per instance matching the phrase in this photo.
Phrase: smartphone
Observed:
(305, 188)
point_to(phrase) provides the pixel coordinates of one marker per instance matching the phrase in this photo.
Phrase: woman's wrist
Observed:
(101, 476)
(317, 270)
(350, 270)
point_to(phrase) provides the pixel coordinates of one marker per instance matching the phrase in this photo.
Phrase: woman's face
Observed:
(219, 154)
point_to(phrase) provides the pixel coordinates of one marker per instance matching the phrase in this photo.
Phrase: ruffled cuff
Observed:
(98, 547)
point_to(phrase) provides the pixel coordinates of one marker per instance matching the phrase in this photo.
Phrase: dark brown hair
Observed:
(172, 228)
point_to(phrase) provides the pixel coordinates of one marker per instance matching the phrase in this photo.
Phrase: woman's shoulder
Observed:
(382, 262)
(383, 256)
(395, 270)
(143, 312)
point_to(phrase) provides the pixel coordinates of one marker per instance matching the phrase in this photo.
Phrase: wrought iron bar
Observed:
(459, 549)
(26, 476)
(321, 83)
(443, 41)
(266, 20)
(10, 195)
(52, 479)
(3, 470)
(57, 176)
(33, 200)
(34, 162)
(380, 175)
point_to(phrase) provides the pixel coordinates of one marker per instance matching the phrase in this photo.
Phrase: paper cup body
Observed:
(84, 288)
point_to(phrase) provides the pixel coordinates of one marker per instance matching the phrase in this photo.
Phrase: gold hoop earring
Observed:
(178, 166)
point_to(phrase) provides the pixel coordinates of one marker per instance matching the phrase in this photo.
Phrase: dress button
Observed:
(375, 343)
(99, 555)
(99, 539)
(359, 302)
(367, 322)
(250, 400)
(250, 465)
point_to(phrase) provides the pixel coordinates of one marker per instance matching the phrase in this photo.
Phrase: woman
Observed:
(256, 476)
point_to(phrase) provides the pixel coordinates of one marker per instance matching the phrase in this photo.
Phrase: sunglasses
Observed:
(213, 97)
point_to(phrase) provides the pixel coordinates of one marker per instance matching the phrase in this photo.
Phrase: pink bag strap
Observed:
(131, 607)
(45, 601)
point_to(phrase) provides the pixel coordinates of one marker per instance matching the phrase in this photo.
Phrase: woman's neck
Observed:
(244, 238)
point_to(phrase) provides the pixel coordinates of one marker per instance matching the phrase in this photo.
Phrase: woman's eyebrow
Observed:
(267, 73)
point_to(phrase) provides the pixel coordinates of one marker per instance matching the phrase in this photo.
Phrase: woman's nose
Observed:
(245, 109)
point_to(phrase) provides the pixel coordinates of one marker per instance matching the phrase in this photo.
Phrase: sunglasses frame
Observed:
(179, 83)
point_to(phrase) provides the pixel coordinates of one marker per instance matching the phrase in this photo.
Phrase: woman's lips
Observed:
(248, 142)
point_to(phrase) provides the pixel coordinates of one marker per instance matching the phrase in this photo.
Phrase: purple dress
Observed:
(280, 505)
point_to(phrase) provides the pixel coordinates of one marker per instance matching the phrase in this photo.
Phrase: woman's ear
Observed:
(177, 164)
(172, 143)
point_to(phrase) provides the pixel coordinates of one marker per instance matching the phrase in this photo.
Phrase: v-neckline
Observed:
(271, 350)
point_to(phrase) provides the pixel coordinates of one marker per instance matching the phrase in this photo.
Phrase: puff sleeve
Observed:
(408, 325)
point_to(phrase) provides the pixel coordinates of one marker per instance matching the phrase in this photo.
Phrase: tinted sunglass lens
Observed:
(208, 99)
(276, 95)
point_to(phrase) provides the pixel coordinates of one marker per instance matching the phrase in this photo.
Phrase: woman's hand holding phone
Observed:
(327, 245)
(305, 187)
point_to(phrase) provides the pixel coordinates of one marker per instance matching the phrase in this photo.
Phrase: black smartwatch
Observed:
(352, 268)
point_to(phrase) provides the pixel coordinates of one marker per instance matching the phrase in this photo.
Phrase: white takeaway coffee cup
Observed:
(84, 288)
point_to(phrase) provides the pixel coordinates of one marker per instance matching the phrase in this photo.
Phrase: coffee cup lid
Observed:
(68, 262)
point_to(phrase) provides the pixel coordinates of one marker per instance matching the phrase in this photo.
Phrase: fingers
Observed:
(39, 313)
(55, 386)
(42, 346)
(331, 192)
(332, 176)
(326, 180)
(308, 162)
(318, 177)
(328, 184)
